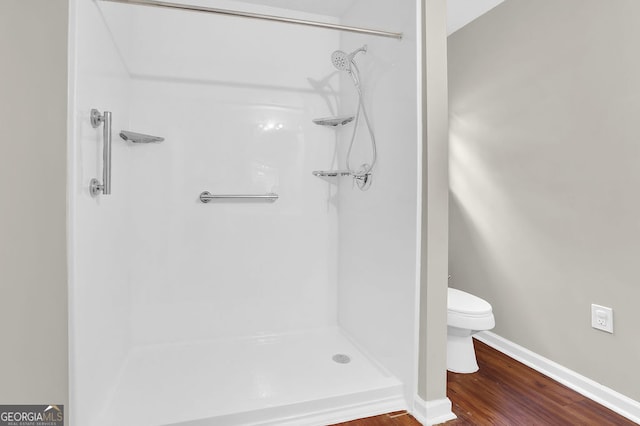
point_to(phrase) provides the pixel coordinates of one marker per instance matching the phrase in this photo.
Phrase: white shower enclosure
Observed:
(301, 311)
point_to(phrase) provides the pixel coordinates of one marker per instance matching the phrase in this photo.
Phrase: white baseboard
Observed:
(326, 411)
(342, 413)
(601, 394)
(432, 412)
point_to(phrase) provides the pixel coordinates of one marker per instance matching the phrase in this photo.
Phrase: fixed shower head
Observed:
(342, 60)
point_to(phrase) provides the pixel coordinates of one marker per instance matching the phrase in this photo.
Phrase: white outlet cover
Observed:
(602, 318)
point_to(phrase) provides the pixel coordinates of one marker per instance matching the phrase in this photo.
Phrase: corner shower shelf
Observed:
(334, 121)
(139, 137)
(331, 173)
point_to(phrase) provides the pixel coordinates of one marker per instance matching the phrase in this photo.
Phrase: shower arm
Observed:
(95, 187)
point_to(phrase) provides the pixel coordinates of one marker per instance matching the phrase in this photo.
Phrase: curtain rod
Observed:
(228, 12)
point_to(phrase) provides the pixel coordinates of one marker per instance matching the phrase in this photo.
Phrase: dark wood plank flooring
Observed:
(507, 393)
(399, 418)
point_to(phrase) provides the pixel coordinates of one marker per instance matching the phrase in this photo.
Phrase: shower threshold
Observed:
(289, 379)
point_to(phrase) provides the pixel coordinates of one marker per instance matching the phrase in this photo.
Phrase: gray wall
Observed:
(432, 368)
(33, 150)
(545, 177)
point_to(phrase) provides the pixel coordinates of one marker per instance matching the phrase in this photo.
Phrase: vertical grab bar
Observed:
(95, 187)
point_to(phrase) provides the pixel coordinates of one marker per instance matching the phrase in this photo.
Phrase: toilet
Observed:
(466, 315)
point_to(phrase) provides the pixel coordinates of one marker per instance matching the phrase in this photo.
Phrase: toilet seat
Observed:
(467, 311)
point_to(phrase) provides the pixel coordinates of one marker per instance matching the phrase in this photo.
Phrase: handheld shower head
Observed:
(345, 62)
(342, 61)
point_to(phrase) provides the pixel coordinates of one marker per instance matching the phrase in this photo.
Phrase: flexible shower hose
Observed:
(355, 75)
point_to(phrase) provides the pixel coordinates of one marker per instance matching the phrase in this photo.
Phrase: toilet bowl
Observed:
(466, 315)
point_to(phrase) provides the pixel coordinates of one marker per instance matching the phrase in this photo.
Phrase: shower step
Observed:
(288, 379)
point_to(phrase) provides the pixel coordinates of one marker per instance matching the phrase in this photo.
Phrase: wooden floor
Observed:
(505, 392)
(400, 418)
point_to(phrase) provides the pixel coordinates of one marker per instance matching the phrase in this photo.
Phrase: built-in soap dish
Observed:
(334, 121)
(139, 137)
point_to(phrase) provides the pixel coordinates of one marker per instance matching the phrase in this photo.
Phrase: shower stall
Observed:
(235, 272)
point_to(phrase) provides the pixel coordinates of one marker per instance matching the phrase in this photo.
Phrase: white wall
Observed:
(151, 263)
(461, 12)
(33, 258)
(233, 99)
(99, 245)
(377, 293)
(544, 177)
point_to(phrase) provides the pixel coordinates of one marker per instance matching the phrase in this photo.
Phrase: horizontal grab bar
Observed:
(206, 196)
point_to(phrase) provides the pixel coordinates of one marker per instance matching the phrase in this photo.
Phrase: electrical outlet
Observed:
(602, 318)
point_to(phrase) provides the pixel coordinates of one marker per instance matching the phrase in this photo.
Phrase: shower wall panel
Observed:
(235, 99)
(98, 244)
(377, 291)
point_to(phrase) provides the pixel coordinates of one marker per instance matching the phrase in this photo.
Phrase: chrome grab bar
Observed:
(95, 187)
(206, 196)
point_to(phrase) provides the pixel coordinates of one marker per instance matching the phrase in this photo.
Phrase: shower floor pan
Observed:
(289, 379)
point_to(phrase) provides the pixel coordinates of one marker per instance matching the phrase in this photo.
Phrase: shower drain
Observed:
(341, 358)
